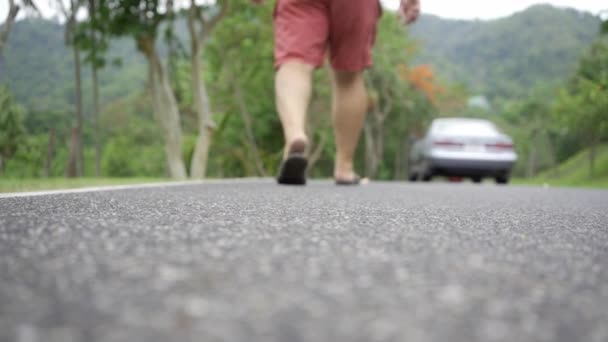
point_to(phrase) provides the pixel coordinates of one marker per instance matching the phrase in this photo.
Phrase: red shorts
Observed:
(305, 29)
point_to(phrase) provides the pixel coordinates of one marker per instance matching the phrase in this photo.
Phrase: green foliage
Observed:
(583, 106)
(12, 128)
(132, 17)
(124, 157)
(574, 171)
(132, 139)
(188, 148)
(29, 159)
(244, 38)
(400, 110)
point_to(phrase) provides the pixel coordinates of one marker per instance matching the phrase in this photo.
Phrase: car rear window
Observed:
(465, 127)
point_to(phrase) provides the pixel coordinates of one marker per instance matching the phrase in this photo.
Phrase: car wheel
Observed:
(427, 177)
(502, 180)
(476, 180)
(413, 177)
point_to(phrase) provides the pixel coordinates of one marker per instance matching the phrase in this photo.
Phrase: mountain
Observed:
(38, 68)
(507, 57)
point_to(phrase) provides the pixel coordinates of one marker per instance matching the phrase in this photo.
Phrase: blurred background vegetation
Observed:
(187, 92)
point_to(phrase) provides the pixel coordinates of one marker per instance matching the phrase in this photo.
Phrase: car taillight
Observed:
(447, 143)
(500, 146)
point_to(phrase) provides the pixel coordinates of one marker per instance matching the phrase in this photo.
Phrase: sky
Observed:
(491, 9)
(461, 9)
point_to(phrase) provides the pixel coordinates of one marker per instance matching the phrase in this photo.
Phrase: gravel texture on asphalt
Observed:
(252, 261)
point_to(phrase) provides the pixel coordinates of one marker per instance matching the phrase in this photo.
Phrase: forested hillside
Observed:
(507, 57)
(38, 67)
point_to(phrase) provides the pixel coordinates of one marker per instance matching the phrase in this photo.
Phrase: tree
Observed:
(12, 129)
(141, 19)
(91, 38)
(243, 88)
(391, 93)
(13, 10)
(75, 165)
(200, 25)
(11, 16)
(533, 117)
(583, 105)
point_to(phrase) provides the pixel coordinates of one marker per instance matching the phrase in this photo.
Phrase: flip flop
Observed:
(293, 170)
(354, 181)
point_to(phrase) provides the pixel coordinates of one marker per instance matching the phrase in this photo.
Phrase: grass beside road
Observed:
(39, 184)
(574, 172)
(593, 183)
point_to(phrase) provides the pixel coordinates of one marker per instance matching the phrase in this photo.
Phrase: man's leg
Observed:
(349, 109)
(293, 85)
(351, 38)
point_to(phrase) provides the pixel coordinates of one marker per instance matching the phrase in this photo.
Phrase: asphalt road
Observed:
(251, 261)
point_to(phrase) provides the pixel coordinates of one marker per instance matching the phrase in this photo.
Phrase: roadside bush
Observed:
(122, 157)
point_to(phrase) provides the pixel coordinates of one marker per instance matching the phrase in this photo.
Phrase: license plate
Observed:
(473, 148)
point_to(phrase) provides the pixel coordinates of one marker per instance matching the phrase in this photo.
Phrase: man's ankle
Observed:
(297, 144)
(344, 170)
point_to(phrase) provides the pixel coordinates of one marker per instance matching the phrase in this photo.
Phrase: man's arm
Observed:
(409, 10)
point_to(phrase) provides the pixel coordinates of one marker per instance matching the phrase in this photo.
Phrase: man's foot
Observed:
(293, 167)
(356, 180)
(344, 172)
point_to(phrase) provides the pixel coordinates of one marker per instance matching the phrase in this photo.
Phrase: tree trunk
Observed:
(50, 153)
(198, 166)
(13, 10)
(95, 82)
(531, 172)
(379, 146)
(398, 160)
(71, 169)
(246, 116)
(76, 160)
(165, 108)
(531, 167)
(552, 158)
(409, 139)
(202, 107)
(1, 165)
(96, 122)
(374, 144)
(592, 155)
(79, 114)
(371, 163)
(317, 151)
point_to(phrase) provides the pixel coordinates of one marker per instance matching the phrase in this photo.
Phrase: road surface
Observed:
(251, 261)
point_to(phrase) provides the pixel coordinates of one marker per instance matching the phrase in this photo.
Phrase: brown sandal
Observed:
(293, 168)
(354, 181)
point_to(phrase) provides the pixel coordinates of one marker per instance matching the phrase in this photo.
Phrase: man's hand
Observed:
(409, 10)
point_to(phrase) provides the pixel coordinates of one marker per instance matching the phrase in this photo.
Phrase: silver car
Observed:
(458, 147)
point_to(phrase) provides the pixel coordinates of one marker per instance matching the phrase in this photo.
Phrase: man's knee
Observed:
(295, 65)
(347, 78)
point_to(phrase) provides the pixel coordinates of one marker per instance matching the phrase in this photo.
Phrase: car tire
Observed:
(427, 177)
(477, 179)
(413, 177)
(502, 180)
